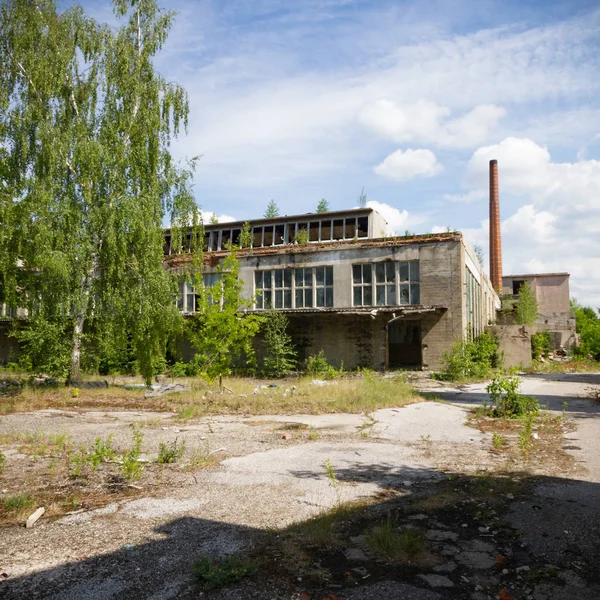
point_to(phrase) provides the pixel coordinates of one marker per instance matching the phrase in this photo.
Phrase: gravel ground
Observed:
(144, 547)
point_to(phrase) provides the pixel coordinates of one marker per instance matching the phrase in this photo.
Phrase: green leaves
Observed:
(85, 129)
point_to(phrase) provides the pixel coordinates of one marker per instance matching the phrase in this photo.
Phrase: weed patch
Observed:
(170, 453)
(218, 573)
(387, 541)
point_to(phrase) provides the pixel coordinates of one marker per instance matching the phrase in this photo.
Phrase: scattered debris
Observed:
(162, 389)
(32, 519)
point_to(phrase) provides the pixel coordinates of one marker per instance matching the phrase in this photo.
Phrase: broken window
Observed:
(313, 232)
(338, 229)
(326, 230)
(350, 228)
(294, 288)
(385, 283)
(363, 227)
(225, 239)
(268, 236)
(257, 240)
(516, 286)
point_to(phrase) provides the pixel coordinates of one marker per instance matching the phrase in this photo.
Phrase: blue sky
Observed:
(299, 101)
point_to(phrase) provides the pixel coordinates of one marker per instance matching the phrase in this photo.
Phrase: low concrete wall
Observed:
(515, 344)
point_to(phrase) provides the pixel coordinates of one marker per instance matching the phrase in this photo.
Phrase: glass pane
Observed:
(380, 273)
(267, 299)
(287, 278)
(414, 271)
(308, 298)
(298, 276)
(299, 299)
(367, 273)
(278, 299)
(391, 295)
(278, 279)
(415, 296)
(266, 279)
(259, 300)
(320, 296)
(390, 272)
(287, 299)
(368, 295)
(404, 298)
(381, 295)
(329, 296)
(308, 277)
(328, 275)
(357, 295)
(356, 273)
(320, 275)
(190, 302)
(403, 271)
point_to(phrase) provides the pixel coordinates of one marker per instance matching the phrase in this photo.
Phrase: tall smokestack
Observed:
(495, 242)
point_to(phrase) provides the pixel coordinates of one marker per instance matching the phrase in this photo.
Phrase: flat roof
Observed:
(536, 275)
(285, 218)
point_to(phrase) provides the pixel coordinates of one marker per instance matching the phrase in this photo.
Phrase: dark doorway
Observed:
(404, 344)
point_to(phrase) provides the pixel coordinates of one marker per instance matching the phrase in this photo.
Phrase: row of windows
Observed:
(373, 284)
(385, 284)
(319, 230)
(294, 288)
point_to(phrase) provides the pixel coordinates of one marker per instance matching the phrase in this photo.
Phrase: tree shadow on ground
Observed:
(532, 536)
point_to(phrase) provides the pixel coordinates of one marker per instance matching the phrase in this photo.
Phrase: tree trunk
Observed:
(81, 312)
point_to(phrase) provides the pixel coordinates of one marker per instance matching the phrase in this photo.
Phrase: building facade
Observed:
(366, 300)
(554, 309)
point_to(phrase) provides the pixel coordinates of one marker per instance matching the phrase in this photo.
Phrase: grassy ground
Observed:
(352, 394)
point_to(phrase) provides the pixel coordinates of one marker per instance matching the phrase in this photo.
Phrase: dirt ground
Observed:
(310, 501)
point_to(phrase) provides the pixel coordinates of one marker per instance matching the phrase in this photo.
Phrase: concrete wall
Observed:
(515, 344)
(551, 291)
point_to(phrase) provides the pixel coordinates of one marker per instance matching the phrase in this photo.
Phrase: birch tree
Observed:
(87, 177)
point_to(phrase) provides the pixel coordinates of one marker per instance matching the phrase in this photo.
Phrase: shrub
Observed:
(281, 355)
(2, 462)
(17, 502)
(131, 468)
(541, 344)
(317, 365)
(102, 450)
(170, 453)
(506, 400)
(214, 574)
(526, 307)
(471, 359)
(588, 328)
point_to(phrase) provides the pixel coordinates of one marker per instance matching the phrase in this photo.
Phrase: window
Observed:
(304, 288)
(294, 288)
(362, 285)
(187, 299)
(516, 285)
(386, 284)
(324, 286)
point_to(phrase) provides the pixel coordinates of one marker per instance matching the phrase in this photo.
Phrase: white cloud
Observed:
(398, 220)
(207, 216)
(406, 164)
(559, 226)
(425, 121)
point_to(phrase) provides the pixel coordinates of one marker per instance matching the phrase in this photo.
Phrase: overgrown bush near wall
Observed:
(280, 354)
(588, 327)
(541, 344)
(471, 359)
(317, 366)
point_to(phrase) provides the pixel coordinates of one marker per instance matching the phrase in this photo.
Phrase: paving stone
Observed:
(475, 560)
(437, 581)
(436, 535)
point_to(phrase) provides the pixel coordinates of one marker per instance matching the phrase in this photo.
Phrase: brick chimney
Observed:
(495, 242)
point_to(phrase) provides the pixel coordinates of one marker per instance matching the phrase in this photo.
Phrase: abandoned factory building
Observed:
(365, 299)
